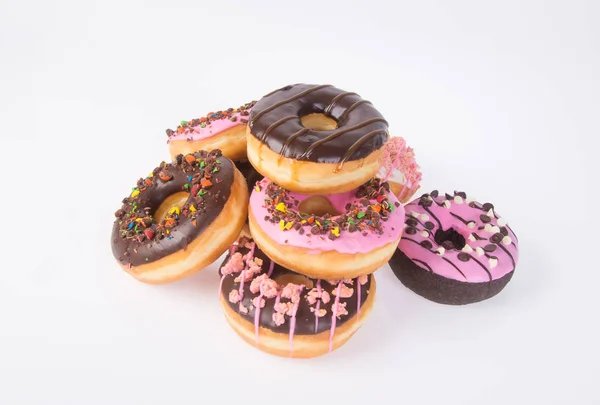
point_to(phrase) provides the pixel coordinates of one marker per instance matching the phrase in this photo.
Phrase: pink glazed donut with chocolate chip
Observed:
(333, 237)
(287, 314)
(455, 250)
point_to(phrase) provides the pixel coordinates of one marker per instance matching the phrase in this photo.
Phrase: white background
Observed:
(499, 99)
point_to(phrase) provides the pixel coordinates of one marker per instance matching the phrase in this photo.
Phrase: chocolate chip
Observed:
(504, 231)
(448, 245)
(461, 194)
(426, 244)
(412, 222)
(488, 206)
(411, 231)
(429, 225)
(463, 257)
(484, 218)
(449, 197)
(489, 248)
(434, 193)
(496, 238)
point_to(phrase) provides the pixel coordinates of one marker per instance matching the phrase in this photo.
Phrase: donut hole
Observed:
(317, 205)
(294, 278)
(172, 201)
(449, 239)
(318, 122)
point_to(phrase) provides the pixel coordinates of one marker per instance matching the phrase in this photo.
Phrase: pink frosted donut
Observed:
(224, 130)
(454, 249)
(399, 168)
(287, 314)
(332, 237)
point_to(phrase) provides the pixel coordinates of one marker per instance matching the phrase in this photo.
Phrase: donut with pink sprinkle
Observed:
(287, 314)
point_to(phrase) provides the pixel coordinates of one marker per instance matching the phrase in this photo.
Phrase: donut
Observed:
(222, 130)
(399, 168)
(314, 139)
(455, 250)
(336, 236)
(180, 218)
(284, 313)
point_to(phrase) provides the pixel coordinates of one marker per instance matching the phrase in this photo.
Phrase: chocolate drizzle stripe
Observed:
(338, 133)
(477, 237)
(352, 107)
(287, 100)
(275, 125)
(291, 139)
(512, 259)
(482, 266)
(423, 263)
(461, 219)
(336, 99)
(434, 217)
(452, 264)
(357, 144)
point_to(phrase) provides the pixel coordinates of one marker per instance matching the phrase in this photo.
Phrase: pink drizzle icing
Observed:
(257, 310)
(318, 305)
(232, 250)
(334, 315)
(482, 264)
(398, 164)
(348, 243)
(249, 257)
(293, 321)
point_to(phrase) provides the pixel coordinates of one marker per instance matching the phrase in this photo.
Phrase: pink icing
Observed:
(398, 164)
(258, 307)
(212, 129)
(295, 298)
(318, 306)
(489, 254)
(348, 243)
(249, 257)
(212, 124)
(334, 314)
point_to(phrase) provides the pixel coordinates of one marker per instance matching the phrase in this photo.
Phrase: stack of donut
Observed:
(303, 191)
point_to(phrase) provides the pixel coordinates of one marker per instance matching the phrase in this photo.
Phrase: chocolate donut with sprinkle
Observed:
(180, 218)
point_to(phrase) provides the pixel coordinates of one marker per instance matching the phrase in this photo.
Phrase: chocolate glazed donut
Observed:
(275, 121)
(356, 131)
(268, 300)
(172, 208)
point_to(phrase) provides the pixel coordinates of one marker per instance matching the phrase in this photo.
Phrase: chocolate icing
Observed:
(418, 276)
(305, 319)
(275, 121)
(132, 244)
